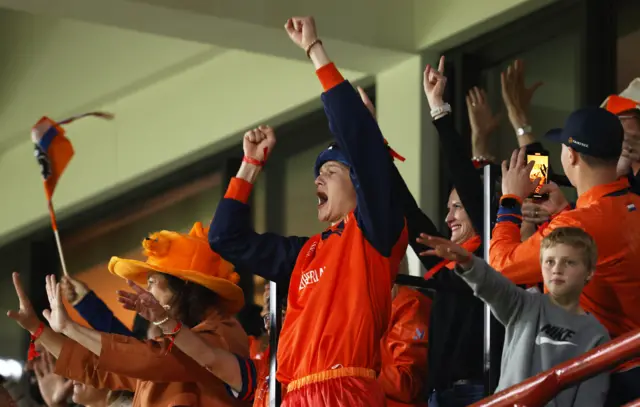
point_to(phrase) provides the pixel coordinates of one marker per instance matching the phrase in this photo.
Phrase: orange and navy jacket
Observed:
(405, 350)
(340, 281)
(610, 214)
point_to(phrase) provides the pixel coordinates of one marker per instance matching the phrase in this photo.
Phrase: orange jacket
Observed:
(405, 350)
(157, 378)
(612, 217)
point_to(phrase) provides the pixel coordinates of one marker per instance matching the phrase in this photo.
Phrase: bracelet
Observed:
(313, 44)
(158, 323)
(172, 336)
(436, 111)
(255, 161)
(33, 353)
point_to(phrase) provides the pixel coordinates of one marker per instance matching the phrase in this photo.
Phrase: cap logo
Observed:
(572, 141)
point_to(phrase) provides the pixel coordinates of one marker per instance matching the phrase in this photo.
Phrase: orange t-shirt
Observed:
(611, 215)
(339, 303)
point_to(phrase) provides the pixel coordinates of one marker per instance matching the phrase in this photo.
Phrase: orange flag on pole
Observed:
(54, 152)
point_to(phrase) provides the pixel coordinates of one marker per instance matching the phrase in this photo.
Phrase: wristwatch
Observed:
(526, 129)
(446, 108)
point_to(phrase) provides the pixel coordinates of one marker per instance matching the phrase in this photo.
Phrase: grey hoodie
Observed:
(539, 335)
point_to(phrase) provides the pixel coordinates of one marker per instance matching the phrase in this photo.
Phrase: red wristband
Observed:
(33, 353)
(254, 161)
(172, 336)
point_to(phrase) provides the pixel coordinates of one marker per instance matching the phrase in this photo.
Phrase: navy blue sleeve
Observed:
(378, 212)
(417, 221)
(268, 255)
(249, 380)
(99, 316)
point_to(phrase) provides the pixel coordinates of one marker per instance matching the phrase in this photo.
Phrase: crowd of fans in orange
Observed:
(560, 279)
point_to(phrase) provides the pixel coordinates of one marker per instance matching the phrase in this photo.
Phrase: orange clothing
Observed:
(316, 335)
(159, 379)
(341, 391)
(405, 350)
(609, 213)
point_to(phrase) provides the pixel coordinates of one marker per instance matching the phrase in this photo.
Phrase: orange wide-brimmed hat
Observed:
(187, 257)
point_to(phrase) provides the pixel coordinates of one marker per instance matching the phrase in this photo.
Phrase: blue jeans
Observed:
(458, 395)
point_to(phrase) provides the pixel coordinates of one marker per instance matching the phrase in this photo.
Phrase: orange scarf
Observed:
(470, 245)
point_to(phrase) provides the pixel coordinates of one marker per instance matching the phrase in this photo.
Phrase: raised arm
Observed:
(232, 234)
(91, 307)
(26, 317)
(379, 213)
(417, 221)
(520, 261)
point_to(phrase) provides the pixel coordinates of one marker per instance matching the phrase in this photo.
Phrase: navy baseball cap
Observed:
(591, 131)
(331, 153)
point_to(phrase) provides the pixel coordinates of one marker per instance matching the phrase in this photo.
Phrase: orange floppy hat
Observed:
(627, 100)
(188, 257)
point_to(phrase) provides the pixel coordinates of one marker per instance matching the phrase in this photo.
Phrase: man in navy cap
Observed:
(592, 142)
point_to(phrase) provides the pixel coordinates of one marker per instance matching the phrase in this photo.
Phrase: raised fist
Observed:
(73, 290)
(258, 143)
(302, 31)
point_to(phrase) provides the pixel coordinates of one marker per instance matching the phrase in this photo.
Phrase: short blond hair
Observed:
(576, 238)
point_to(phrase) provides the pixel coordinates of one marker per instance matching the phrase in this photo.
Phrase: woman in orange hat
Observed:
(193, 284)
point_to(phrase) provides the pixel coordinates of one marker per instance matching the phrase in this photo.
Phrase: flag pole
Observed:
(54, 226)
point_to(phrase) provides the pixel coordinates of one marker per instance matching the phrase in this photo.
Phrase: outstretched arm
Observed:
(232, 234)
(26, 317)
(379, 212)
(223, 364)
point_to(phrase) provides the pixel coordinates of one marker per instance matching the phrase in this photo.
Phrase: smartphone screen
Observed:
(540, 170)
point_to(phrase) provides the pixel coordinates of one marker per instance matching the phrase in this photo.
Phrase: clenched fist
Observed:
(258, 143)
(302, 31)
(74, 290)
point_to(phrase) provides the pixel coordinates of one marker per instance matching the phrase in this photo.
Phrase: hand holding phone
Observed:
(540, 170)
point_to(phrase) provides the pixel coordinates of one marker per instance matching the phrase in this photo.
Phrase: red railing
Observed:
(539, 390)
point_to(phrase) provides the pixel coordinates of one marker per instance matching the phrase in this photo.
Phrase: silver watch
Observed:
(446, 108)
(526, 129)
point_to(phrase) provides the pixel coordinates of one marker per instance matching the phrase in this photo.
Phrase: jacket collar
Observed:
(599, 191)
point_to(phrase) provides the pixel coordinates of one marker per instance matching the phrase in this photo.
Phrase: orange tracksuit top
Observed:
(158, 378)
(339, 297)
(609, 213)
(405, 350)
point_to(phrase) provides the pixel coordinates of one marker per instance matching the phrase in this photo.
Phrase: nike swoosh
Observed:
(541, 339)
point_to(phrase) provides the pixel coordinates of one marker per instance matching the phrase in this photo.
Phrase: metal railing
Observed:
(539, 390)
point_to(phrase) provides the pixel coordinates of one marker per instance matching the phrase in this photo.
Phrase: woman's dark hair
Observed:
(191, 300)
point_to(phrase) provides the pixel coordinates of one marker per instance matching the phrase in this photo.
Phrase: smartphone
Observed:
(540, 170)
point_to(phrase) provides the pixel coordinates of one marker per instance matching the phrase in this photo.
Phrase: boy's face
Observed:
(564, 271)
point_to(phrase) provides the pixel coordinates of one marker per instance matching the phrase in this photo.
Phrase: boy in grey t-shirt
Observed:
(542, 330)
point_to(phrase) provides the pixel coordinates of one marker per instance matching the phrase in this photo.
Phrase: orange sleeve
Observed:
(239, 189)
(405, 348)
(520, 261)
(78, 363)
(149, 360)
(329, 76)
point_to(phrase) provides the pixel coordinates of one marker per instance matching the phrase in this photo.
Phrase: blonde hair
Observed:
(576, 238)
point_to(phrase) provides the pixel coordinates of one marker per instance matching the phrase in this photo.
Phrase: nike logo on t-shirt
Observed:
(543, 339)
